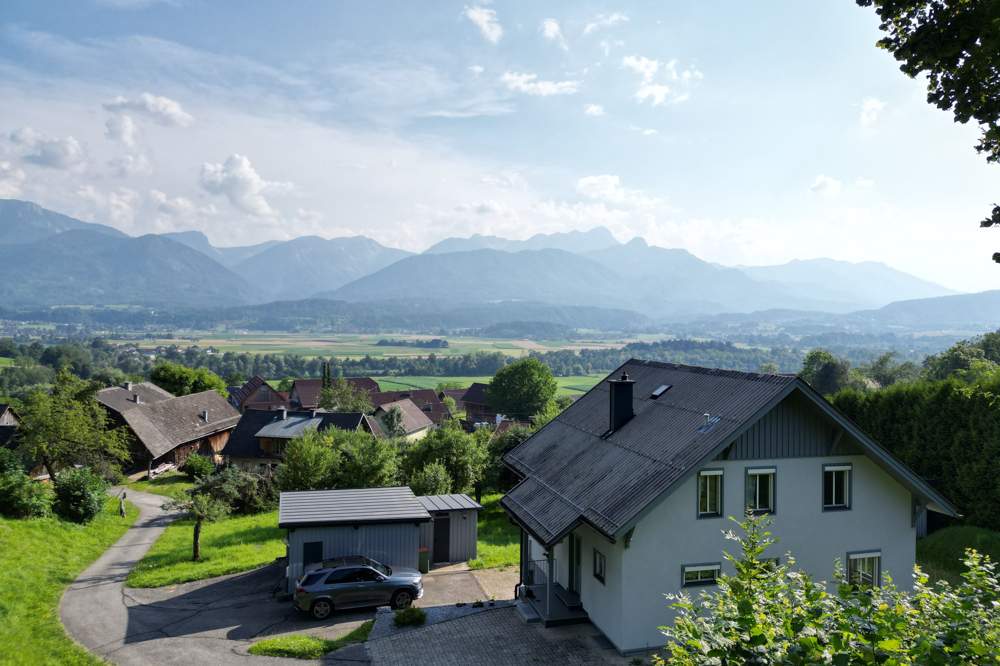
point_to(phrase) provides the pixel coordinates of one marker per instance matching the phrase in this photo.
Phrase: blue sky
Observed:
(750, 133)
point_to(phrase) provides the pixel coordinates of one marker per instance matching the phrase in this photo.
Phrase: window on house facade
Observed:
(863, 568)
(600, 565)
(701, 574)
(760, 489)
(837, 487)
(709, 493)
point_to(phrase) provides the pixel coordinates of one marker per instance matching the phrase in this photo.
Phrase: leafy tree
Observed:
(197, 466)
(522, 389)
(825, 372)
(771, 613)
(244, 492)
(181, 380)
(497, 476)
(885, 371)
(67, 427)
(342, 396)
(462, 454)
(202, 508)
(769, 368)
(310, 462)
(956, 44)
(20, 497)
(79, 495)
(393, 422)
(367, 462)
(432, 479)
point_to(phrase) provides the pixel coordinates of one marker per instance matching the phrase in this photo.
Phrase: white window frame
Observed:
(848, 471)
(712, 477)
(705, 574)
(870, 563)
(753, 489)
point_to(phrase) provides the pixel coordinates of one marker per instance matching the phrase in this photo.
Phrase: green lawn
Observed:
(235, 544)
(304, 646)
(41, 557)
(6, 362)
(499, 540)
(940, 554)
(170, 484)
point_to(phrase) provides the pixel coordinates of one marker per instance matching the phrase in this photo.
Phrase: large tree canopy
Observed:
(181, 380)
(522, 389)
(956, 44)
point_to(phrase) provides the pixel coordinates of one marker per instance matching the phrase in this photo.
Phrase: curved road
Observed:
(211, 622)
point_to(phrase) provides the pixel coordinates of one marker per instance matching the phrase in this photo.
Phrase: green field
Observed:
(172, 484)
(41, 557)
(6, 362)
(573, 386)
(358, 346)
(232, 545)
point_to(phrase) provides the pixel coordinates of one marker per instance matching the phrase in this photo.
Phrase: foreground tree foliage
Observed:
(201, 508)
(181, 380)
(956, 44)
(769, 613)
(522, 389)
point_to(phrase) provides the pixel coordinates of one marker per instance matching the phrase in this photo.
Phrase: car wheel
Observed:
(402, 599)
(321, 609)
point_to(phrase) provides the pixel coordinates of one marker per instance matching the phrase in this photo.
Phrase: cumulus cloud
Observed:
(551, 31)
(476, 69)
(608, 44)
(486, 20)
(48, 151)
(602, 21)
(826, 186)
(608, 188)
(117, 206)
(239, 182)
(163, 110)
(11, 179)
(641, 65)
(530, 84)
(871, 109)
(593, 109)
(661, 82)
(173, 206)
(121, 127)
(131, 164)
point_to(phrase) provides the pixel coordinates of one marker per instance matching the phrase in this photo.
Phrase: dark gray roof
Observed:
(353, 507)
(574, 472)
(453, 502)
(164, 425)
(243, 441)
(476, 394)
(290, 427)
(122, 398)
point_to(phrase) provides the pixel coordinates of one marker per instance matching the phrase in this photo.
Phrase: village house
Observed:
(414, 422)
(624, 496)
(427, 400)
(256, 393)
(306, 393)
(258, 441)
(167, 429)
(477, 407)
(8, 424)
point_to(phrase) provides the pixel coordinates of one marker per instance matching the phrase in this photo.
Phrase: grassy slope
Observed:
(304, 646)
(41, 557)
(235, 544)
(171, 484)
(499, 540)
(940, 554)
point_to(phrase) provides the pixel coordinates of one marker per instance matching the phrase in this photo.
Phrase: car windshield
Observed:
(381, 568)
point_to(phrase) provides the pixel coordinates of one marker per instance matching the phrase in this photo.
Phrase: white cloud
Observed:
(47, 151)
(645, 131)
(551, 31)
(163, 110)
(657, 92)
(609, 189)
(602, 21)
(11, 179)
(641, 65)
(241, 184)
(476, 69)
(486, 20)
(121, 127)
(530, 84)
(173, 206)
(118, 206)
(826, 186)
(131, 164)
(608, 44)
(871, 108)
(593, 109)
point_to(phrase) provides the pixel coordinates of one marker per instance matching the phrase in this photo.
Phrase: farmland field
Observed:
(573, 386)
(358, 346)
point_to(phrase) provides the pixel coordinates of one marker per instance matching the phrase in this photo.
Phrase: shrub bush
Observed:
(433, 479)
(10, 461)
(20, 497)
(79, 494)
(410, 617)
(198, 466)
(245, 492)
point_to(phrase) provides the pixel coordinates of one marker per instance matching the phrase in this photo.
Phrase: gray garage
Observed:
(451, 535)
(381, 523)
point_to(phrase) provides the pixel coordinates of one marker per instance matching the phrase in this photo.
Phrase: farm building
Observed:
(451, 534)
(306, 393)
(256, 394)
(380, 523)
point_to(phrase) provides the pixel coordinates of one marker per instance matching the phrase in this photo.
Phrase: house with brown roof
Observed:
(415, 423)
(426, 400)
(167, 429)
(305, 393)
(256, 393)
(477, 405)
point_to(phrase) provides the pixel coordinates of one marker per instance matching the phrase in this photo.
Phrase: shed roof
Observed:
(352, 507)
(575, 471)
(452, 502)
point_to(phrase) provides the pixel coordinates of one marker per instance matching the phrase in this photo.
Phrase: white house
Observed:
(624, 496)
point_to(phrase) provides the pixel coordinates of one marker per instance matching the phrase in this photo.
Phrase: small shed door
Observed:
(312, 551)
(442, 537)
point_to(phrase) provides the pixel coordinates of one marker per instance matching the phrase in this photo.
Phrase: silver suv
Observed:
(355, 582)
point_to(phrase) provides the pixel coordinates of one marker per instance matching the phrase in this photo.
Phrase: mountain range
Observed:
(47, 259)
